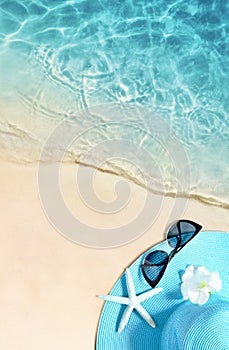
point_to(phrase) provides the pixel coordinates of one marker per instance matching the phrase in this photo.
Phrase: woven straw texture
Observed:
(210, 249)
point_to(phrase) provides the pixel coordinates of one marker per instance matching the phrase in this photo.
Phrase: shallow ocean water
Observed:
(59, 58)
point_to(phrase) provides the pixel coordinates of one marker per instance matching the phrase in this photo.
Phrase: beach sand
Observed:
(49, 285)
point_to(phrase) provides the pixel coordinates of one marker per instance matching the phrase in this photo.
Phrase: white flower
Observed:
(198, 283)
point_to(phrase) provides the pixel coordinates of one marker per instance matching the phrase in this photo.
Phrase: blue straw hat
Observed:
(179, 323)
(194, 327)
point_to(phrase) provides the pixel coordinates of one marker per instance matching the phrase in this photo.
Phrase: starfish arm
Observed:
(130, 284)
(115, 299)
(125, 318)
(140, 309)
(144, 296)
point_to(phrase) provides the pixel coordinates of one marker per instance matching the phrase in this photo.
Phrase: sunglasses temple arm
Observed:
(179, 230)
(173, 253)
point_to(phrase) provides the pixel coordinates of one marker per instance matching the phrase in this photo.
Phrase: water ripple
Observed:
(60, 57)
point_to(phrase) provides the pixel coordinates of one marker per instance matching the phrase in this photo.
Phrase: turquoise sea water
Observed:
(60, 57)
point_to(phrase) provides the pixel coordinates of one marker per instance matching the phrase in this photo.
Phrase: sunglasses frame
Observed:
(178, 247)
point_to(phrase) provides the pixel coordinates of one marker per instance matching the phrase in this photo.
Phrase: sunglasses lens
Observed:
(154, 266)
(156, 262)
(182, 232)
(173, 236)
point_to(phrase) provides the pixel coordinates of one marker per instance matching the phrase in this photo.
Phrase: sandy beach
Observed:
(105, 107)
(49, 285)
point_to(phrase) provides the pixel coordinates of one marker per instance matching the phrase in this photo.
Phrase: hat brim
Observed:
(210, 249)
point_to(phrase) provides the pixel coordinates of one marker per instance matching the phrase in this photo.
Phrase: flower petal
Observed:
(201, 274)
(193, 295)
(184, 291)
(188, 273)
(215, 282)
(198, 282)
(203, 296)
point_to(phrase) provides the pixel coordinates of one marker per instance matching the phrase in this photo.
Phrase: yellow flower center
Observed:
(203, 284)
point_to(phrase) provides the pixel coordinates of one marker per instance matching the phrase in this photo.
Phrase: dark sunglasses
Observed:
(155, 263)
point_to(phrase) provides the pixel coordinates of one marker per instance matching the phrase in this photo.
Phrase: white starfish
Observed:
(133, 302)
